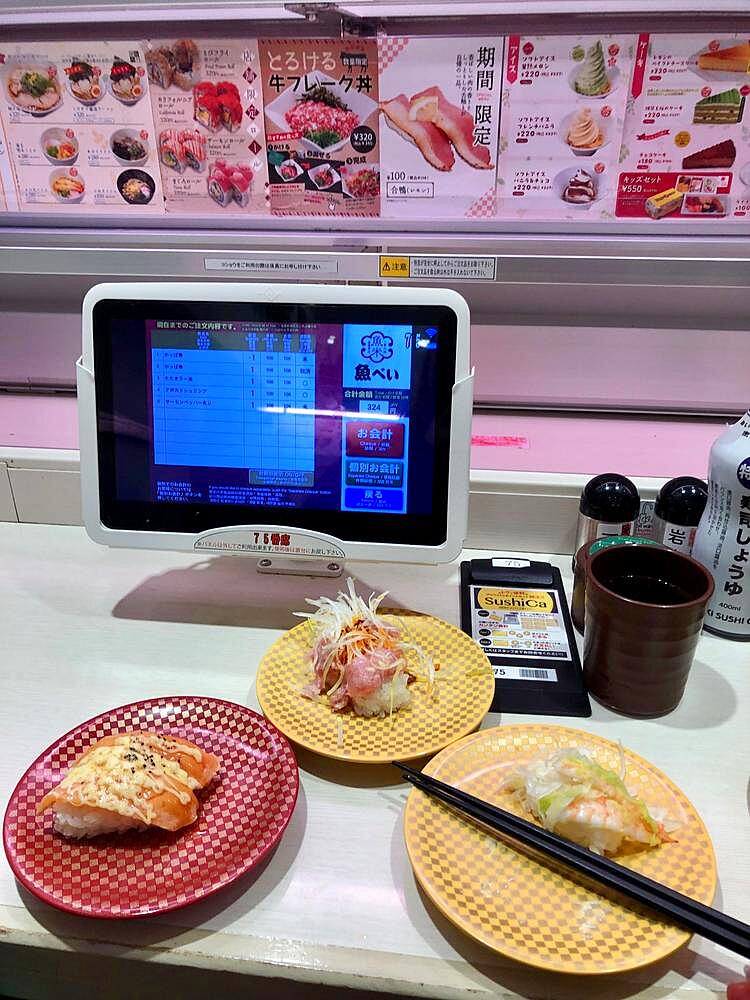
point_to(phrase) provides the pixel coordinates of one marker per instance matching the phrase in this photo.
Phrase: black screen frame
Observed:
(195, 518)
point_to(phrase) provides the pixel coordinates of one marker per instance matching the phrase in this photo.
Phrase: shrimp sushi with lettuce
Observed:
(359, 659)
(576, 798)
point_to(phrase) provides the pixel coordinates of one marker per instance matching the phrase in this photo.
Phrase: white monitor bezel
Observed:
(243, 538)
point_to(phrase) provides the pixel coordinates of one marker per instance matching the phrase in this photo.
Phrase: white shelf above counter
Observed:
(84, 11)
(319, 254)
(468, 8)
(544, 16)
(431, 14)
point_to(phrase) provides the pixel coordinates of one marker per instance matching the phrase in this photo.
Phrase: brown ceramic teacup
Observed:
(587, 551)
(644, 614)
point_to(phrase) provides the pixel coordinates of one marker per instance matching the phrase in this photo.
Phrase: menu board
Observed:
(685, 151)
(563, 110)
(321, 116)
(78, 122)
(643, 129)
(440, 105)
(208, 113)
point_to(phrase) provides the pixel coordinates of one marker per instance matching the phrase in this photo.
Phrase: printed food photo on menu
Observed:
(562, 118)
(84, 81)
(440, 109)
(685, 152)
(32, 85)
(79, 128)
(322, 130)
(208, 113)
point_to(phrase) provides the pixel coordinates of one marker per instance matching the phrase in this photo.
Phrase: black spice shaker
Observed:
(677, 512)
(610, 505)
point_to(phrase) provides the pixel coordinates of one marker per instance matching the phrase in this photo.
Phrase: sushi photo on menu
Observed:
(208, 115)
(439, 116)
(80, 133)
(561, 123)
(686, 146)
(322, 130)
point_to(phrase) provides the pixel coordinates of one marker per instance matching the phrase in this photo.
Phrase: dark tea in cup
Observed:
(646, 589)
(644, 614)
(586, 552)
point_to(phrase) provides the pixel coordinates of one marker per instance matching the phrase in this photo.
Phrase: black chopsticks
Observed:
(678, 909)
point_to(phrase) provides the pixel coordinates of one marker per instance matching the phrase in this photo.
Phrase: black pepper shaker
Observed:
(677, 512)
(610, 505)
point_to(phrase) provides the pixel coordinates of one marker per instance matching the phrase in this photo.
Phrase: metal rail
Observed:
(716, 261)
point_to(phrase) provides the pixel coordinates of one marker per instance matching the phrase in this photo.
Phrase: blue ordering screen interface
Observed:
(320, 415)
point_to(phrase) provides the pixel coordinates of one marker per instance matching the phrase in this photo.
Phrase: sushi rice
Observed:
(88, 821)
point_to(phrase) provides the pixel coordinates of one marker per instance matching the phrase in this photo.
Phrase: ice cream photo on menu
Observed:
(592, 77)
(562, 116)
(584, 132)
(439, 111)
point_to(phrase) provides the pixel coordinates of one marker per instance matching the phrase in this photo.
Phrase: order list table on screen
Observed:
(215, 405)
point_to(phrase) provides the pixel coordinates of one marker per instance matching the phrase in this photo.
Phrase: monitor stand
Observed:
(279, 549)
(284, 565)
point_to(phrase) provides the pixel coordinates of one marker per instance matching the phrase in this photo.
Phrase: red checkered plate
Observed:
(242, 816)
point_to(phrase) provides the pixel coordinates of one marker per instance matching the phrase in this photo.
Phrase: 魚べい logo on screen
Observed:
(377, 347)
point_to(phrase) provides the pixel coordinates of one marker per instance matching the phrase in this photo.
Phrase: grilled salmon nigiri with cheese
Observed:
(129, 782)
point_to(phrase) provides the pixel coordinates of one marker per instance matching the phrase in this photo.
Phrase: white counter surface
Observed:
(85, 629)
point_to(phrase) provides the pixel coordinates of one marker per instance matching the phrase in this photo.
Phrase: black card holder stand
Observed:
(537, 671)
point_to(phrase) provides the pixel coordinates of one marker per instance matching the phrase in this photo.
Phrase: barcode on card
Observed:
(503, 673)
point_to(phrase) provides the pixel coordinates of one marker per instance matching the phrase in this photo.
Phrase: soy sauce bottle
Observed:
(722, 542)
(610, 505)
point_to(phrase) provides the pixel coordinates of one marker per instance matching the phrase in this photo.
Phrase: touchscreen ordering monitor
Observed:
(294, 420)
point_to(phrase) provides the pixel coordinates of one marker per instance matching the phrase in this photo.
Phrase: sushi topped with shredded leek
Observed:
(575, 797)
(360, 660)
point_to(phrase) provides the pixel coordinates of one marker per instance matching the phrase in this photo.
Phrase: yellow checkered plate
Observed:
(460, 700)
(518, 906)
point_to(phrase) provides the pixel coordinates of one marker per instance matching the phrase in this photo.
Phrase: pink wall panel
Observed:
(640, 368)
(636, 446)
